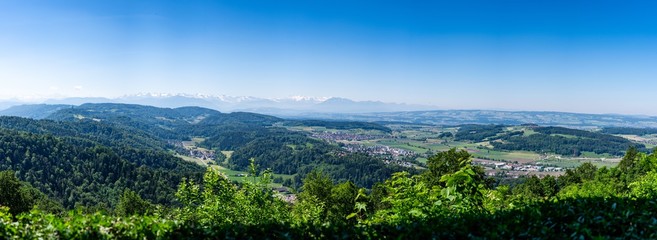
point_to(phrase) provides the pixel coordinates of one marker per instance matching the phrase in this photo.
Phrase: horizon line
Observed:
(44, 101)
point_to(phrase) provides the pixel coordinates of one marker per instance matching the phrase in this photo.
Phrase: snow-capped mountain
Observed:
(277, 106)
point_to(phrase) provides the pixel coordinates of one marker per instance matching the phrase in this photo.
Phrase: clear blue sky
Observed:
(582, 56)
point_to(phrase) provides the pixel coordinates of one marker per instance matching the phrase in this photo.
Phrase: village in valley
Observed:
(410, 145)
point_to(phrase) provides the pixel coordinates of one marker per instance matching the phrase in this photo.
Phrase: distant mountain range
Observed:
(279, 106)
(341, 109)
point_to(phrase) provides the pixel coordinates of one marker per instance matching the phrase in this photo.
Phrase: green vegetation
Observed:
(273, 151)
(114, 169)
(520, 156)
(245, 135)
(450, 200)
(561, 147)
(403, 144)
(78, 172)
(446, 135)
(20, 197)
(88, 156)
(108, 134)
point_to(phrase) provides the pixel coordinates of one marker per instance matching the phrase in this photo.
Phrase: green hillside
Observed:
(77, 172)
(249, 135)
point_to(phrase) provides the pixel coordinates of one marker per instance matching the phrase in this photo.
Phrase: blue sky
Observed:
(577, 56)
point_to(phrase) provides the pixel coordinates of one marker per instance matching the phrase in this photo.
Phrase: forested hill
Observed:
(162, 122)
(557, 140)
(166, 117)
(249, 135)
(89, 154)
(34, 111)
(105, 133)
(75, 171)
(104, 158)
(166, 123)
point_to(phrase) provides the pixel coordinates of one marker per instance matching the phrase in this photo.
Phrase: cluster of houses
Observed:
(378, 150)
(400, 163)
(515, 166)
(176, 143)
(202, 154)
(284, 194)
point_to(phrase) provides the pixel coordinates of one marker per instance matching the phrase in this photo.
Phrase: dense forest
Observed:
(452, 199)
(81, 172)
(108, 134)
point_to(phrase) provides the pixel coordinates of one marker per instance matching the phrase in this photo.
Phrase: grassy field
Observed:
(232, 174)
(194, 160)
(228, 154)
(529, 132)
(595, 155)
(649, 140)
(449, 145)
(193, 144)
(519, 156)
(410, 145)
(564, 135)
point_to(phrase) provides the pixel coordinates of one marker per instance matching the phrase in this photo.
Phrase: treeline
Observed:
(342, 125)
(629, 131)
(452, 199)
(579, 133)
(565, 141)
(105, 133)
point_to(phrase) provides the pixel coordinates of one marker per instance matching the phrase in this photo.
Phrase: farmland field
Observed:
(426, 140)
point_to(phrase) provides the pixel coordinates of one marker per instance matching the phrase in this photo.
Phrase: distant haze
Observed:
(569, 56)
(278, 106)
